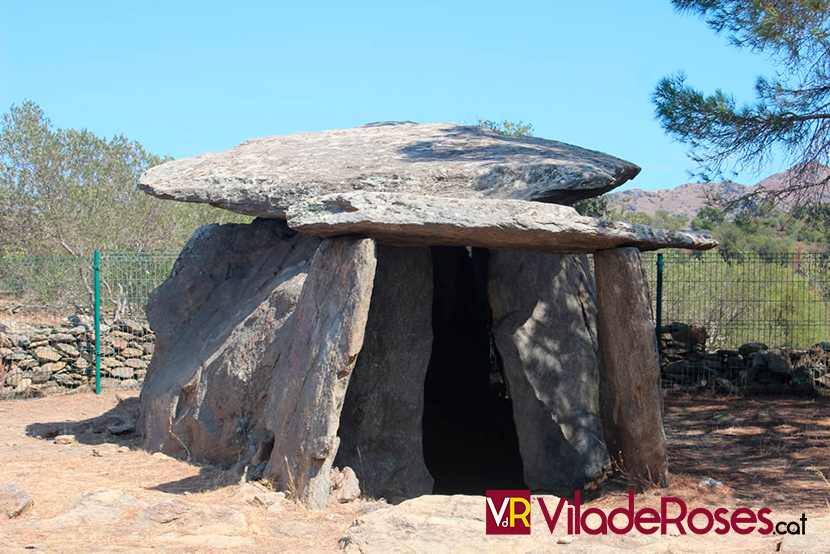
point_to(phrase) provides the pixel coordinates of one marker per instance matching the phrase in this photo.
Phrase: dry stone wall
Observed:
(688, 365)
(38, 359)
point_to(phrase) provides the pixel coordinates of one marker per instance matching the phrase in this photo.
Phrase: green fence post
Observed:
(659, 308)
(97, 270)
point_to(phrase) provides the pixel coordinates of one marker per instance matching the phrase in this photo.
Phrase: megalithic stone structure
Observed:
(415, 302)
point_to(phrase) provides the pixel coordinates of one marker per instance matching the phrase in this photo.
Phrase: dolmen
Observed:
(414, 301)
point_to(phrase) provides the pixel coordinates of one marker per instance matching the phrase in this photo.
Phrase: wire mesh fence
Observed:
(743, 322)
(47, 321)
(738, 322)
(126, 340)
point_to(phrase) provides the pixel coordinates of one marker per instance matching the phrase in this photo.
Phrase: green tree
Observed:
(598, 206)
(707, 219)
(664, 219)
(511, 128)
(634, 217)
(70, 191)
(791, 115)
(812, 222)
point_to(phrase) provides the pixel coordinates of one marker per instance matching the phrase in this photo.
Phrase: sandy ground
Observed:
(766, 452)
(53, 474)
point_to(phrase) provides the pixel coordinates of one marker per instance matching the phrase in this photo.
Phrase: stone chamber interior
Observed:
(469, 437)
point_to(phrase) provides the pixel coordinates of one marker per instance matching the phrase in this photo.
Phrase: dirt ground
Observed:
(772, 451)
(53, 474)
(767, 452)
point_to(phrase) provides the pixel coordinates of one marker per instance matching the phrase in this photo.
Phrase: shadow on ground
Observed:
(208, 479)
(99, 429)
(775, 450)
(96, 430)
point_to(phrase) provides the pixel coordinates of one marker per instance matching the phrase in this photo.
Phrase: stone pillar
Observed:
(321, 342)
(631, 405)
(380, 427)
(218, 319)
(544, 326)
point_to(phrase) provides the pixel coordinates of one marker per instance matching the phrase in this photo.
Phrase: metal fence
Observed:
(71, 322)
(738, 322)
(742, 322)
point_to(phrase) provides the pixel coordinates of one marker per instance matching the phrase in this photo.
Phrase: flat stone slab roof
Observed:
(264, 176)
(408, 220)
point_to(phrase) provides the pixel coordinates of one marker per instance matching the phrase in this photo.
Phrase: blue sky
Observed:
(185, 78)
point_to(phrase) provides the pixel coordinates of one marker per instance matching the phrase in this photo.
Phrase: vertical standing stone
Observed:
(218, 320)
(630, 400)
(380, 427)
(322, 340)
(544, 326)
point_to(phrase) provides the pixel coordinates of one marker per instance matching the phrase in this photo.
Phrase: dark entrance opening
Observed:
(470, 441)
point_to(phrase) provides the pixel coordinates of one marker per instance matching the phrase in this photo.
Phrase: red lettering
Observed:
(570, 519)
(762, 517)
(551, 522)
(665, 520)
(648, 520)
(737, 520)
(602, 529)
(628, 513)
(710, 521)
(640, 519)
(719, 513)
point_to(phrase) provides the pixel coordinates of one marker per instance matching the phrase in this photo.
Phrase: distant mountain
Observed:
(685, 199)
(688, 199)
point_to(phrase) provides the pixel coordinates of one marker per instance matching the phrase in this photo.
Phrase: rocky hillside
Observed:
(689, 198)
(685, 199)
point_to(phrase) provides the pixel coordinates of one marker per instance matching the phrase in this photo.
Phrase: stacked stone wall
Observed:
(688, 365)
(41, 359)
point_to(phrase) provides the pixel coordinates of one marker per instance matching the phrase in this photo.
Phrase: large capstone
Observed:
(218, 321)
(544, 325)
(407, 220)
(265, 176)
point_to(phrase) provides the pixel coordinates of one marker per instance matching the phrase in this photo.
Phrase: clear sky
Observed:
(185, 78)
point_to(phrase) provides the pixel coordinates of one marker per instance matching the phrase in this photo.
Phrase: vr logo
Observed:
(508, 512)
